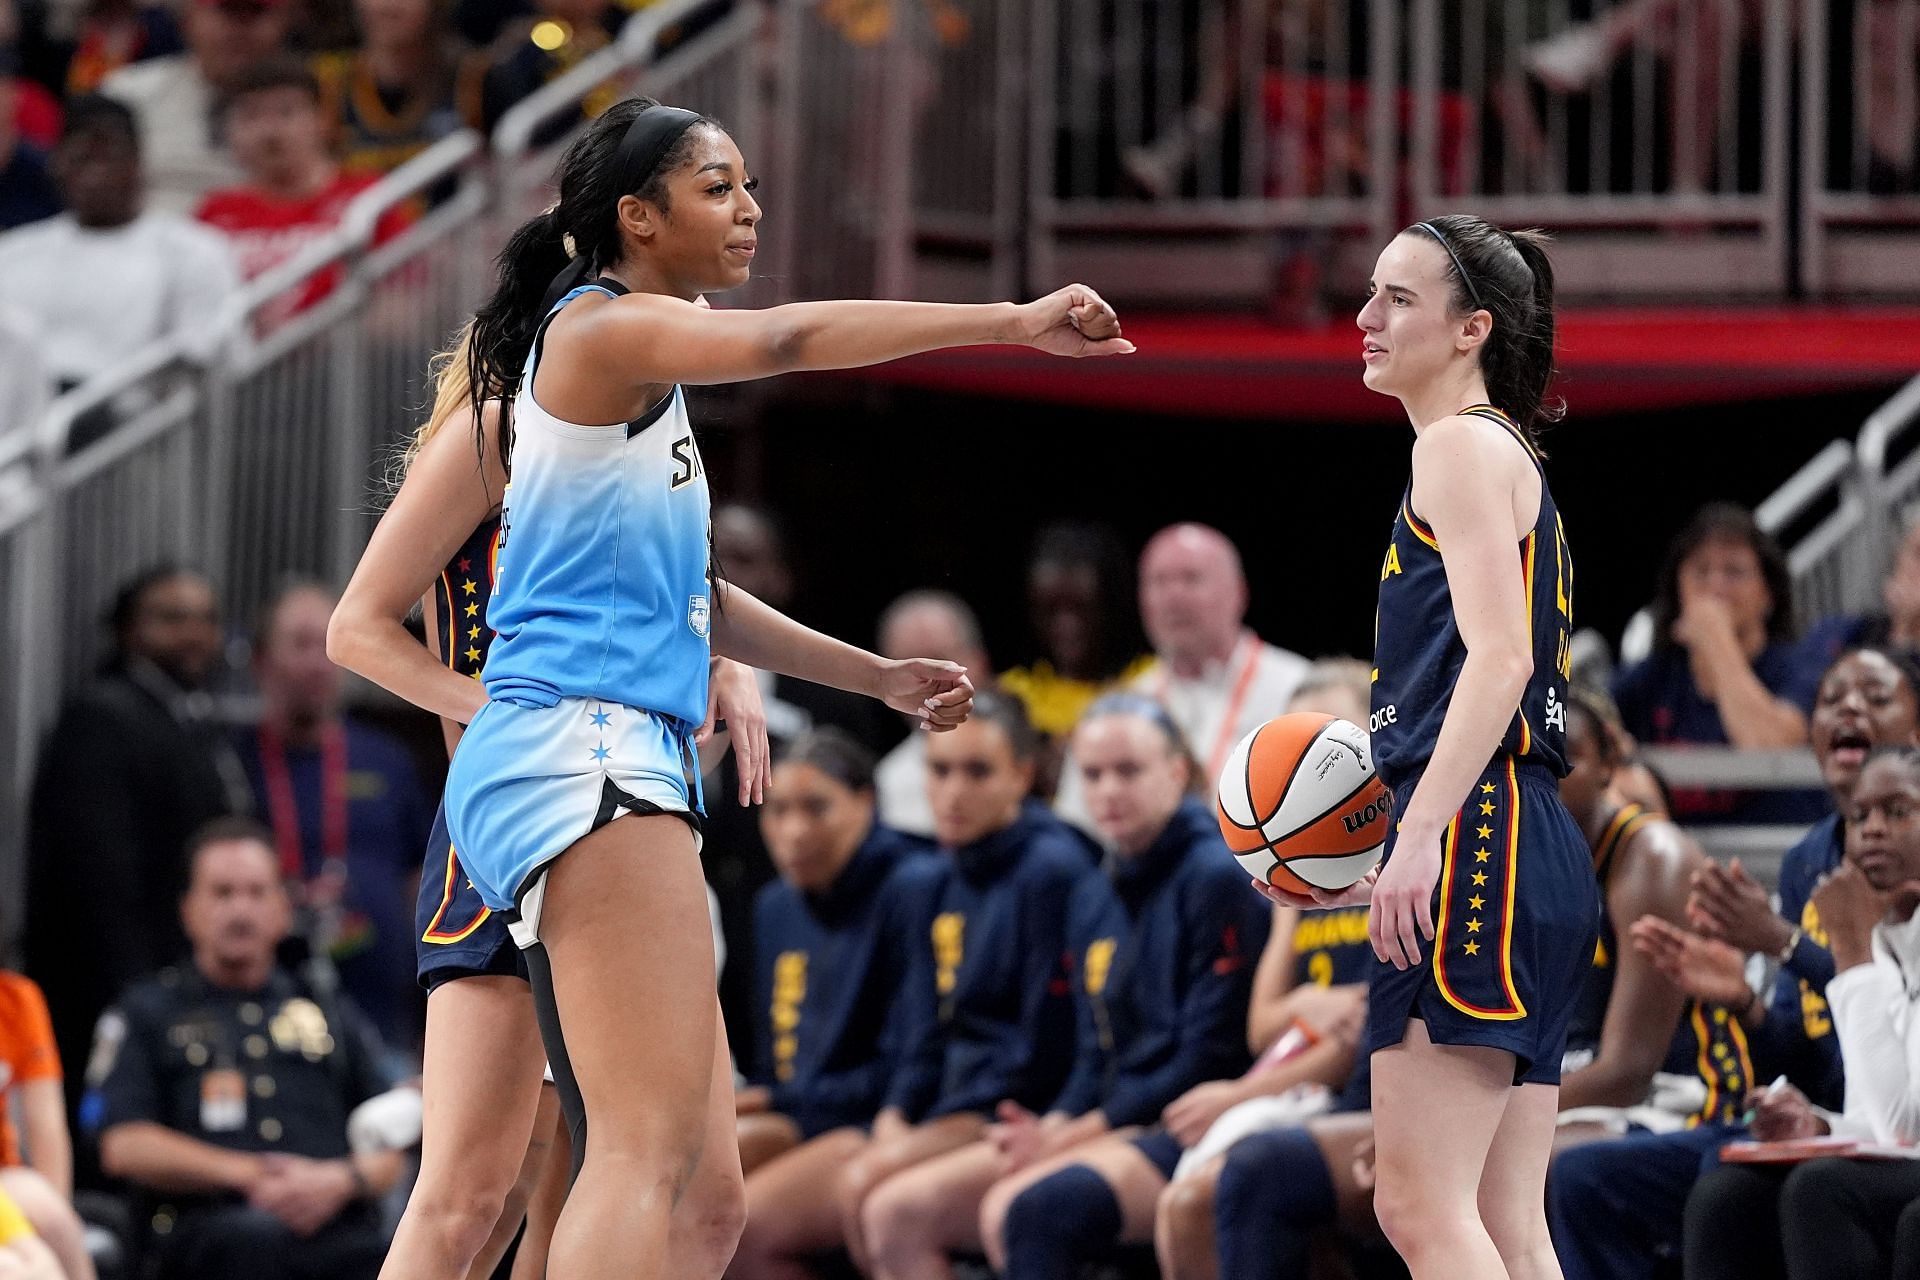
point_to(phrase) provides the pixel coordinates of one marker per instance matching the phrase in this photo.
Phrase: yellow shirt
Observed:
(13, 1223)
(1055, 702)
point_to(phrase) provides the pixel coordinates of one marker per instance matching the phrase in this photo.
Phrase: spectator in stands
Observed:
(1898, 627)
(1724, 668)
(177, 98)
(134, 765)
(222, 1090)
(1886, 114)
(1081, 611)
(936, 624)
(26, 385)
(295, 191)
(27, 190)
(544, 46)
(42, 1184)
(833, 936)
(987, 1016)
(170, 276)
(347, 812)
(1336, 687)
(1615, 1207)
(117, 33)
(1162, 948)
(1219, 679)
(407, 86)
(1838, 1217)
(751, 551)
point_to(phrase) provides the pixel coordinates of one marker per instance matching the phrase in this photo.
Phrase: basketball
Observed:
(1300, 804)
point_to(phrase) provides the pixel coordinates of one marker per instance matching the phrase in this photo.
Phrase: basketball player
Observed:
(570, 795)
(488, 1123)
(1469, 731)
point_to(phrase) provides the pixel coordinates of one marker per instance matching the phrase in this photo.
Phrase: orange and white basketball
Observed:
(1300, 804)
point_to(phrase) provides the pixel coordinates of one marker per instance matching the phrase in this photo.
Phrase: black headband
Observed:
(1458, 266)
(649, 138)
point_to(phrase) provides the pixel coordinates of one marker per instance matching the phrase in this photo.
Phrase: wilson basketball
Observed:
(1300, 804)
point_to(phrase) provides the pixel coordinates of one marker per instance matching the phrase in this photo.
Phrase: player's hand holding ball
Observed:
(1302, 809)
(1074, 321)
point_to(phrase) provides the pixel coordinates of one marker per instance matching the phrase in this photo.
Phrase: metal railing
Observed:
(1860, 166)
(267, 457)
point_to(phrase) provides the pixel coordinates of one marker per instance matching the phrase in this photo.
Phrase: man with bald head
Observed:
(932, 624)
(1217, 678)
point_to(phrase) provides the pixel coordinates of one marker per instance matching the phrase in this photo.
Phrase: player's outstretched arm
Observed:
(651, 339)
(752, 632)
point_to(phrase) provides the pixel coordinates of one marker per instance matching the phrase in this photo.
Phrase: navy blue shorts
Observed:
(1161, 1149)
(1516, 916)
(455, 934)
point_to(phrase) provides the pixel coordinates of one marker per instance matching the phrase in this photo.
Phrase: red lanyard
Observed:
(283, 811)
(1230, 717)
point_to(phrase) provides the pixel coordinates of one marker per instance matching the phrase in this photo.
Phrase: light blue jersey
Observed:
(602, 590)
(597, 678)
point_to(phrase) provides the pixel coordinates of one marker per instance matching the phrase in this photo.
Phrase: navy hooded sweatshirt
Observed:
(830, 972)
(989, 1016)
(1165, 944)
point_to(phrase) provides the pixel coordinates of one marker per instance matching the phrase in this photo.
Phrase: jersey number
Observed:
(686, 458)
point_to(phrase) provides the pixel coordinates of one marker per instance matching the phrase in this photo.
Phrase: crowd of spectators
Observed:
(998, 993)
(179, 147)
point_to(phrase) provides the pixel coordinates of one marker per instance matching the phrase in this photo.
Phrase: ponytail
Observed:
(501, 335)
(1519, 371)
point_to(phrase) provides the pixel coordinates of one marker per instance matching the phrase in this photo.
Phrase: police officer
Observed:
(222, 1090)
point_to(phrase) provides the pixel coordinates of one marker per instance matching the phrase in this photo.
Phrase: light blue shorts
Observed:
(527, 781)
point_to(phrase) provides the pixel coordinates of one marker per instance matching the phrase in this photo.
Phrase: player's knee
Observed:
(1183, 1220)
(993, 1224)
(461, 1219)
(897, 1217)
(715, 1217)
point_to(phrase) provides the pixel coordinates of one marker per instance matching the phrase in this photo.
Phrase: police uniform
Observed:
(1516, 910)
(456, 934)
(277, 1070)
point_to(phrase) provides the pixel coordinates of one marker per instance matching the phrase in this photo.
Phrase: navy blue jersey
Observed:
(1330, 948)
(1163, 945)
(829, 972)
(1418, 651)
(1797, 1038)
(989, 1015)
(1707, 1043)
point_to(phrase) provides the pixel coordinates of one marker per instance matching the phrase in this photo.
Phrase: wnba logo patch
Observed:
(697, 616)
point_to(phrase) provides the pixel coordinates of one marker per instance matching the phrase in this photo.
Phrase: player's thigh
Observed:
(1436, 1109)
(717, 1195)
(625, 928)
(480, 1083)
(937, 1201)
(791, 1205)
(763, 1136)
(923, 1142)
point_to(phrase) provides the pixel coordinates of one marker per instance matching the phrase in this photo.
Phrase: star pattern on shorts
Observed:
(1486, 788)
(473, 609)
(1481, 855)
(1472, 948)
(1473, 926)
(599, 718)
(1485, 832)
(1476, 902)
(468, 588)
(601, 754)
(473, 655)
(1479, 877)
(1486, 806)
(473, 633)
(465, 565)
